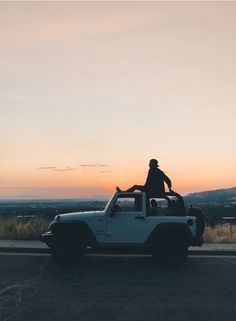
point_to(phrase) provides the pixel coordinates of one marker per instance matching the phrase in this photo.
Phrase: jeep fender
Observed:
(169, 228)
(72, 232)
(200, 220)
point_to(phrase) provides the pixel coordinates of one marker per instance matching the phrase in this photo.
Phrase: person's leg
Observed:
(136, 187)
(132, 189)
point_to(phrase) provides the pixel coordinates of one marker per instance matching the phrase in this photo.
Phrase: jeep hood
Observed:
(78, 215)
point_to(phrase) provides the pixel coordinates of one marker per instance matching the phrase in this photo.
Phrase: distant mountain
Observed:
(218, 196)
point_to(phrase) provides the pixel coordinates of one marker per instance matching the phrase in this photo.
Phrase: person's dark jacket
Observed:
(155, 181)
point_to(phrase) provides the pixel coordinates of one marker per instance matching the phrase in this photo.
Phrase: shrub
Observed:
(22, 229)
(224, 233)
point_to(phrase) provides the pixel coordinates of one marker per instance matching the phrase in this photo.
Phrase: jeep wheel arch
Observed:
(169, 228)
(73, 231)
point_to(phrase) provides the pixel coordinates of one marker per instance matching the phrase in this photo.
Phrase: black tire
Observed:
(200, 220)
(171, 250)
(67, 254)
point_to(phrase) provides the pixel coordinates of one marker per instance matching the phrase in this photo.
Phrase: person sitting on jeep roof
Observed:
(154, 183)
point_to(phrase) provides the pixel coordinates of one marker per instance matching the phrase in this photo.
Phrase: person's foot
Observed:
(118, 189)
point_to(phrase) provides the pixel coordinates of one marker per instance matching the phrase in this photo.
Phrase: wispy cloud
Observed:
(94, 165)
(63, 169)
(47, 167)
(56, 169)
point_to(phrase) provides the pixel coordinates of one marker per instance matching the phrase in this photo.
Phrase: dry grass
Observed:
(13, 228)
(225, 233)
(21, 229)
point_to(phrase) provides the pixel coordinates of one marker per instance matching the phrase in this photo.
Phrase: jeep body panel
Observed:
(171, 223)
(167, 228)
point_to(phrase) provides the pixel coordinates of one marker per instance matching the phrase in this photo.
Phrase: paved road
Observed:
(117, 289)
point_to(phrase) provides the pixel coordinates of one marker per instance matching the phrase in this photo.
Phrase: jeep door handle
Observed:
(139, 217)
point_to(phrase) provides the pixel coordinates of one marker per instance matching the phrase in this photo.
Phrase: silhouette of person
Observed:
(153, 211)
(154, 185)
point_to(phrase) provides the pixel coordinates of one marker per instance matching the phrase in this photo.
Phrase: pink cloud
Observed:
(93, 165)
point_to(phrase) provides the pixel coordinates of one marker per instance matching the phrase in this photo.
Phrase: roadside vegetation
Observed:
(14, 228)
(222, 233)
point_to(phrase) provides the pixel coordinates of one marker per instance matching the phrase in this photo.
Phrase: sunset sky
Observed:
(90, 91)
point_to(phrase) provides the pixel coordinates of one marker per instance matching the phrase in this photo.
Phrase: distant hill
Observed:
(218, 196)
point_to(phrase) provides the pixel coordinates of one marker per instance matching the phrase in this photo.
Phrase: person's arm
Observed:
(148, 178)
(167, 181)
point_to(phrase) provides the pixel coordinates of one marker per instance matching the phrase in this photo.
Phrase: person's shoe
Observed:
(118, 189)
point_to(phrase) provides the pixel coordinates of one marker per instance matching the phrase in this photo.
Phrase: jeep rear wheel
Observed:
(67, 254)
(171, 250)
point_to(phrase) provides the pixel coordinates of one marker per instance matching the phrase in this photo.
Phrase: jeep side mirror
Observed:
(115, 208)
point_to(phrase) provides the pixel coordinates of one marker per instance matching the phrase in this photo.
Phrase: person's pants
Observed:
(137, 187)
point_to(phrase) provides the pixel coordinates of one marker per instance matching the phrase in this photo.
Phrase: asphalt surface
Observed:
(21, 246)
(116, 288)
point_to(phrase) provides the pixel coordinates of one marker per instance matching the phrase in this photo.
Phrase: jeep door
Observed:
(127, 222)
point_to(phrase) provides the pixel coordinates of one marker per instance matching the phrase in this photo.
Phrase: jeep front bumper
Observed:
(47, 238)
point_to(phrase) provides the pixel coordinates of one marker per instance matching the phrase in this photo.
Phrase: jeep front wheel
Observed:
(171, 250)
(67, 254)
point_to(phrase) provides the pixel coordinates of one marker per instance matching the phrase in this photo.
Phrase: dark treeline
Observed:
(47, 208)
(215, 214)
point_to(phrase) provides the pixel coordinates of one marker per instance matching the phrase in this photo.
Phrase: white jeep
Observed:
(126, 225)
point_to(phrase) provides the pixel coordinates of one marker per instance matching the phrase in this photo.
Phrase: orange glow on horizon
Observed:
(79, 182)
